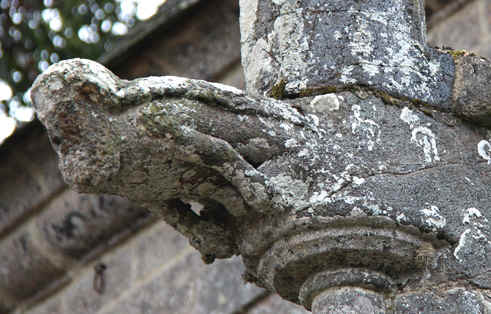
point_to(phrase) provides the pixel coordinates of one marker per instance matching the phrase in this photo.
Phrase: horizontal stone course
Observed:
(156, 271)
(191, 287)
(29, 175)
(24, 270)
(74, 224)
(202, 45)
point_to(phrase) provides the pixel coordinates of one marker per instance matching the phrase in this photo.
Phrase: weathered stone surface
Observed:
(354, 180)
(472, 96)
(335, 280)
(50, 306)
(190, 287)
(32, 167)
(156, 247)
(20, 254)
(76, 223)
(274, 305)
(382, 161)
(322, 45)
(124, 269)
(348, 300)
(451, 301)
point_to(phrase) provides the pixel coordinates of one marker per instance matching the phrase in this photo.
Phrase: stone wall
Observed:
(468, 27)
(63, 252)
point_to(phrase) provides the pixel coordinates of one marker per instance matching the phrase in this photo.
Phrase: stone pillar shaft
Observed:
(299, 48)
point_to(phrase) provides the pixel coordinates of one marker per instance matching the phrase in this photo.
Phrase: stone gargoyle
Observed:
(353, 174)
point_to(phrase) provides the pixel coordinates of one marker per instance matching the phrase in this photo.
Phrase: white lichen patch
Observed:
(434, 67)
(462, 242)
(467, 238)
(228, 88)
(407, 59)
(357, 212)
(283, 110)
(374, 208)
(474, 217)
(425, 138)
(409, 117)
(251, 52)
(478, 231)
(371, 69)
(433, 219)
(303, 153)
(421, 135)
(291, 143)
(358, 181)
(315, 119)
(86, 70)
(290, 36)
(320, 197)
(242, 117)
(369, 128)
(325, 103)
(401, 218)
(346, 75)
(278, 2)
(292, 192)
(362, 38)
(54, 84)
(248, 17)
(337, 188)
(142, 88)
(99, 75)
(484, 150)
(286, 126)
(166, 82)
(469, 213)
(337, 35)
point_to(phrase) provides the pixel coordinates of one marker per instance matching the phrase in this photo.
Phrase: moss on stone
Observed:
(457, 53)
(278, 90)
(318, 91)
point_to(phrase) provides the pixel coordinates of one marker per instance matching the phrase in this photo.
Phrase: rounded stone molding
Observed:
(367, 252)
(316, 284)
(348, 300)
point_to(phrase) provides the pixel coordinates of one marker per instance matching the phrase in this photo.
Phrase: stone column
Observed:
(299, 48)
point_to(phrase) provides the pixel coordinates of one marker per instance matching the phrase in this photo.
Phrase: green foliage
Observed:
(35, 34)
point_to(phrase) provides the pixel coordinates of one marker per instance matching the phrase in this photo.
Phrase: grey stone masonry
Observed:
(63, 252)
(321, 45)
(369, 186)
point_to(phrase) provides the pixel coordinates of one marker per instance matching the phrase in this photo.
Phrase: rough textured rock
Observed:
(472, 88)
(328, 197)
(317, 45)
